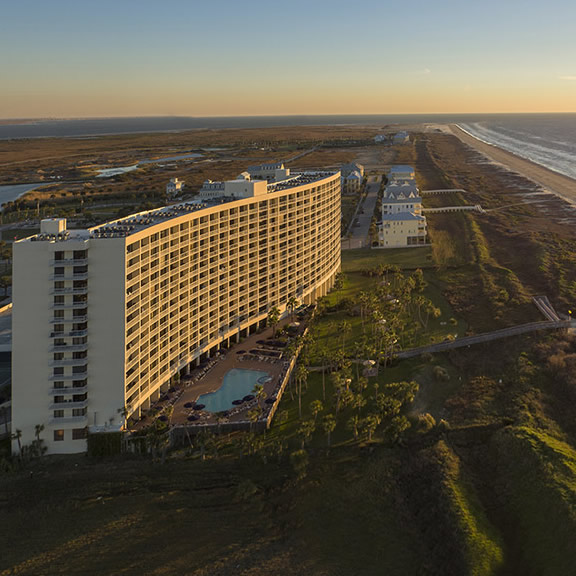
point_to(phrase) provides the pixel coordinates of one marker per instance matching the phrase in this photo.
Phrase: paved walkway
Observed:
(359, 237)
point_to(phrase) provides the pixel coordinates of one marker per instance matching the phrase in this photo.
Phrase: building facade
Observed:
(105, 318)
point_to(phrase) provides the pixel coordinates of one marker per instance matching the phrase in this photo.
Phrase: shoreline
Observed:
(558, 184)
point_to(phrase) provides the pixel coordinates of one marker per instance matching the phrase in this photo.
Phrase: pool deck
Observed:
(197, 384)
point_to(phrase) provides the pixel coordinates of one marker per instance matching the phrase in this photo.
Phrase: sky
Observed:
(88, 58)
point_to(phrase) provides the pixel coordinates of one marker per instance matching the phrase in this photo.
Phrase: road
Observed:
(359, 233)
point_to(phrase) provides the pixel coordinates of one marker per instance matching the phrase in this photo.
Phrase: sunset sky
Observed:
(71, 58)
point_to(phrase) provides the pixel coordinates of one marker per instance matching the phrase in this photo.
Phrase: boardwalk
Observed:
(486, 337)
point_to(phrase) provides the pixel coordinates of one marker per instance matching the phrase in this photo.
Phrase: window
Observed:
(58, 413)
(78, 433)
(58, 435)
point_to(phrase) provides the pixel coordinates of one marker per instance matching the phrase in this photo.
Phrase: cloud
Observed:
(425, 71)
(569, 78)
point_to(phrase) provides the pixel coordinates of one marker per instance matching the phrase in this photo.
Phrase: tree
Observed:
(38, 448)
(299, 461)
(316, 407)
(344, 329)
(259, 393)
(18, 437)
(352, 424)
(291, 305)
(305, 431)
(369, 425)
(301, 376)
(328, 425)
(273, 318)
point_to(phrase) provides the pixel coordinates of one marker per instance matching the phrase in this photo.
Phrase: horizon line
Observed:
(111, 117)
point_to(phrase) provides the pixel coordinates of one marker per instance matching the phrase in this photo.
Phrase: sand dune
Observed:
(558, 184)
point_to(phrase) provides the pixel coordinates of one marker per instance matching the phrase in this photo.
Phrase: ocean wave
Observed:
(540, 144)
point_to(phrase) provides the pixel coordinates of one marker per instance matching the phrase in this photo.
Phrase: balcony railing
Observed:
(68, 405)
(68, 389)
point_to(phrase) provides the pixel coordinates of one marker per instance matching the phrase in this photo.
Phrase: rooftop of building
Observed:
(135, 223)
(402, 216)
(401, 168)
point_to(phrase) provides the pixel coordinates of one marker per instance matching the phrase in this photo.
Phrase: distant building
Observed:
(401, 138)
(401, 172)
(270, 172)
(350, 167)
(174, 187)
(352, 183)
(352, 177)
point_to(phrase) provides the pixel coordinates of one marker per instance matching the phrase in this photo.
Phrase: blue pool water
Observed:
(237, 384)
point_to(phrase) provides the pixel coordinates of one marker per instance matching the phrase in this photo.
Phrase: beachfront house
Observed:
(402, 222)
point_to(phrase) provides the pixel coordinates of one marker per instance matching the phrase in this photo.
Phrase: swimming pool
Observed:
(237, 384)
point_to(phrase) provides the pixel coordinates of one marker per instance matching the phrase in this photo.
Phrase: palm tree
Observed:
(291, 305)
(328, 425)
(352, 424)
(39, 448)
(344, 328)
(315, 408)
(259, 393)
(369, 425)
(305, 431)
(18, 437)
(301, 376)
(274, 318)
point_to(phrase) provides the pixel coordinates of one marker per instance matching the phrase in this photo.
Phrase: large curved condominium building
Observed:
(104, 318)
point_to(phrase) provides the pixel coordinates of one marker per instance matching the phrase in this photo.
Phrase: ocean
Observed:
(547, 139)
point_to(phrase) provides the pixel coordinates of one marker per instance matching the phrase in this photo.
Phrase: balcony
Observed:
(70, 262)
(70, 348)
(69, 378)
(73, 320)
(68, 276)
(68, 390)
(74, 291)
(69, 306)
(71, 334)
(69, 362)
(68, 405)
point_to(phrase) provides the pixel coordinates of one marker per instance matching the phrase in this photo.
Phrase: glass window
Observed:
(58, 435)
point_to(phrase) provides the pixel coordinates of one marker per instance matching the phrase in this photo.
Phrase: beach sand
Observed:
(551, 181)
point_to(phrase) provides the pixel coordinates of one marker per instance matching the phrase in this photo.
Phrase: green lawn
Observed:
(405, 258)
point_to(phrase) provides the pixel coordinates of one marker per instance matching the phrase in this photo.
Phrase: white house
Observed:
(174, 187)
(401, 138)
(402, 229)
